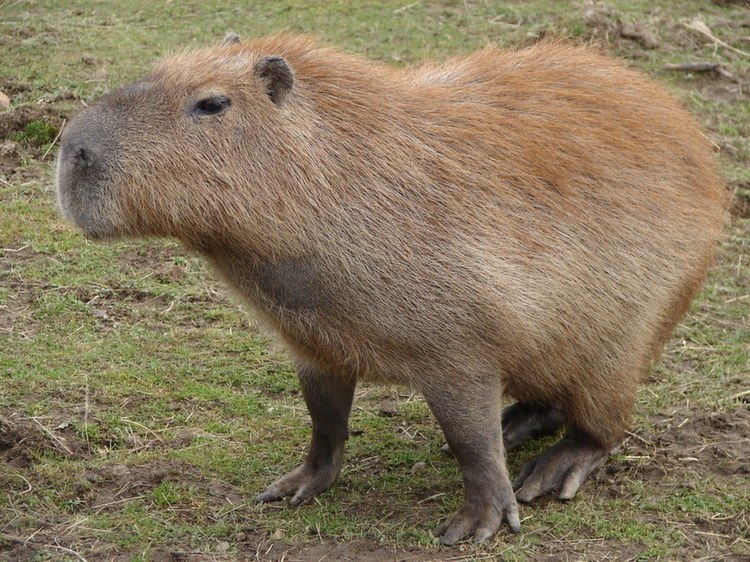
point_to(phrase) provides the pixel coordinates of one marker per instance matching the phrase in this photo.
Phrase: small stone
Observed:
(418, 467)
(7, 148)
(217, 487)
(160, 555)
(4, 101)
(388, 408)
(277, 535)
(93, 477)
(637, 32)
(598, 16)
(231, 38)
(99, 313)
(185, 437)
(222, 547)
(120, 471)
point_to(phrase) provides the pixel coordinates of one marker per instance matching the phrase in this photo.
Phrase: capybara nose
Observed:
(88, 144)
(83, 157)
(79, 154)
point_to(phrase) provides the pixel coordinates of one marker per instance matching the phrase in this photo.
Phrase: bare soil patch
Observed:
(17, 446)
(14, 150)
(23, 438)
(741, 200)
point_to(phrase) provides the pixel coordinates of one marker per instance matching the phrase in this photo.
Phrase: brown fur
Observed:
(532, 222)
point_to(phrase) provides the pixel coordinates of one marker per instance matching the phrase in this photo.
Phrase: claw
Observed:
(268, 496)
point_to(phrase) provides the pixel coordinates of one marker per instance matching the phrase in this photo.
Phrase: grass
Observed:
(35, 133)
(141, 410)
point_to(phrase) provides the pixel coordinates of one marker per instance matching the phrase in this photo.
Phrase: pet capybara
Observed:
(527, 223)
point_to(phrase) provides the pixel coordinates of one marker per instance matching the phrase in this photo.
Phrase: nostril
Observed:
(82, 157)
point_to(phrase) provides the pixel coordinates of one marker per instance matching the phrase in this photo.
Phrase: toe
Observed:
(514, 520)
(270, 495)
(299, 498)
(526, 471)
(457, 527)
(457, 530)
(530, 490)
(486, 529)
(303, 494)
(573, 481)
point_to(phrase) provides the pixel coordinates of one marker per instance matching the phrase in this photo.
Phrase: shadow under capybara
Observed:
(530, 224)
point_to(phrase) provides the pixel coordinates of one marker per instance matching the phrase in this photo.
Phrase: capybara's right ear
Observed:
(231, 38)
(277, 76)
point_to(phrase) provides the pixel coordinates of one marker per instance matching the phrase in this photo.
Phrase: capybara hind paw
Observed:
(299, 485)
(562, 467)
(478, 522)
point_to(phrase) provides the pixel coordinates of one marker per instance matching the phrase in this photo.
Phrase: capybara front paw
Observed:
(479, 522)
(562, 467)
(299, 485)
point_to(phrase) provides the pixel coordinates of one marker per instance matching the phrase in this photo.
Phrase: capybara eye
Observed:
(212, 105)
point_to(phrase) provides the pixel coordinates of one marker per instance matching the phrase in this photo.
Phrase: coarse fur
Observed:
(531, 223)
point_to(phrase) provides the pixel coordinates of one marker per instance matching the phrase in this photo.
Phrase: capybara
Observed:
(527, 223)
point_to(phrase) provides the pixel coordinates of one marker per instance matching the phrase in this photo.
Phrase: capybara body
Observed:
(529, 223)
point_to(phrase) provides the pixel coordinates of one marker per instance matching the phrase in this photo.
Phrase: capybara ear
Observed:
(277, 76)
(231, 38)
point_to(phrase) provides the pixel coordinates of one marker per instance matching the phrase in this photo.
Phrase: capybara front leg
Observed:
(329, 401)
(472, 427)
(562, 467)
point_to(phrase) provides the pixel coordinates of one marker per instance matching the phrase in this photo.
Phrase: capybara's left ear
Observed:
(231, 38)
(277, 77)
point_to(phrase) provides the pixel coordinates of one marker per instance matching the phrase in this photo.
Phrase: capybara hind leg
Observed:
(563, 467)
(524, 420)
(329, 401)
(472, 428)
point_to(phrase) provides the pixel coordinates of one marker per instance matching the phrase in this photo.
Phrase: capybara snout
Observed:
(87, 170)
(528, 223)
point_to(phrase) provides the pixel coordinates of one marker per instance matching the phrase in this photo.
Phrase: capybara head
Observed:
(168, 155)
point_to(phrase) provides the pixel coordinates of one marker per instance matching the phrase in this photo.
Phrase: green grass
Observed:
(35, 133)
(152, 410)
